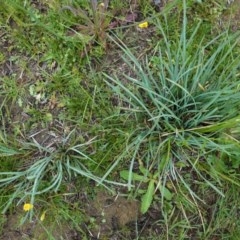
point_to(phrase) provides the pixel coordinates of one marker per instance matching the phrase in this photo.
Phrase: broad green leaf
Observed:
(147, 198)
(135, 177)
(165, 193)
(144, 171)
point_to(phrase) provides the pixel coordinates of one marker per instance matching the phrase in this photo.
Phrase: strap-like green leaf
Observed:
(147, 198)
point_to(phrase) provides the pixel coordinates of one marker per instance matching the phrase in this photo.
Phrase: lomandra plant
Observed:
(184, 103)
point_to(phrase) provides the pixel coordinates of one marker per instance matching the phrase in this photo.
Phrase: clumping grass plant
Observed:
(34, 169)
(184, 102)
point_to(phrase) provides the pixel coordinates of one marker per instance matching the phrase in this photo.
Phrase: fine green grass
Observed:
(167, 129)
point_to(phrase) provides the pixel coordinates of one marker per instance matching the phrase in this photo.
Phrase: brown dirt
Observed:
(35, 230)
(110, 214)
(231, 17)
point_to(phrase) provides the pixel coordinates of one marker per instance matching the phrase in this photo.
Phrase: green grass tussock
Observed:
(184, 102)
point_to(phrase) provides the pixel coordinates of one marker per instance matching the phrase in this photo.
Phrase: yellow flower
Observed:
(27, 207)
(143, 25)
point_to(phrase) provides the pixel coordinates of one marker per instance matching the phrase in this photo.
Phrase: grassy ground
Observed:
(119, 120)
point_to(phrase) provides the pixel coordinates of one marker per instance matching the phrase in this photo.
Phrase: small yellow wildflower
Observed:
(27, 207)
(101, 4)
(143, 25)
(43, 216)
